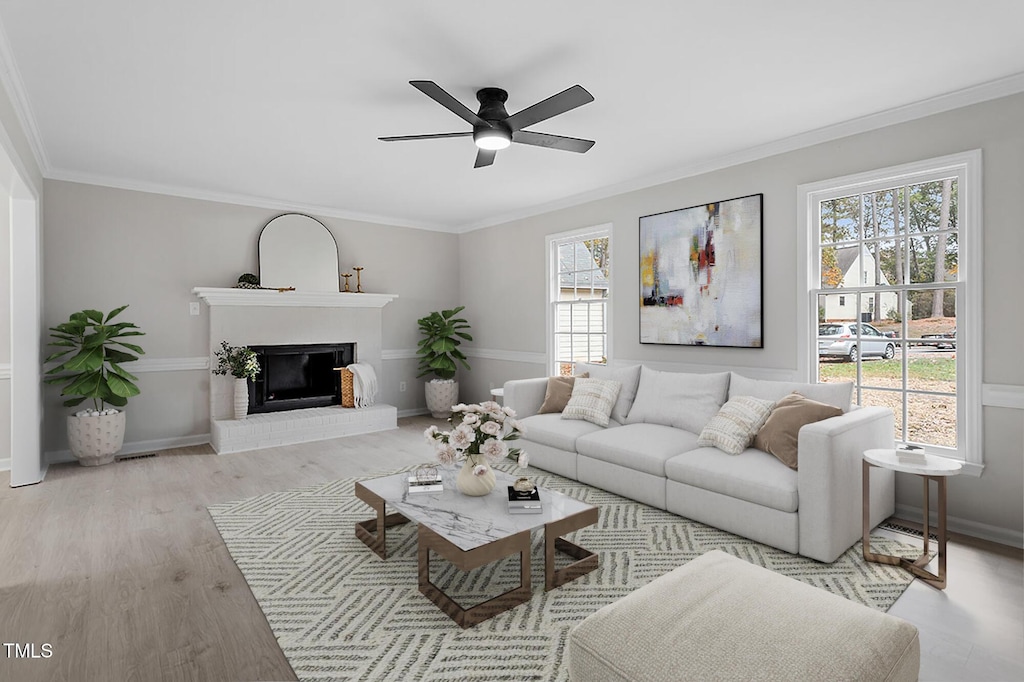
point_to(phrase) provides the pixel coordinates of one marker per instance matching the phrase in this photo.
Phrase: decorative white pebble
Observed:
(81, 413)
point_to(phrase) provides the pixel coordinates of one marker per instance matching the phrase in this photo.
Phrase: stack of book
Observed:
(910, 455)
(425, 484)
(524, 502)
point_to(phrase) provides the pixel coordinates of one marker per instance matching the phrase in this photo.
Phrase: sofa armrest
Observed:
(525, 396)
(829, 480)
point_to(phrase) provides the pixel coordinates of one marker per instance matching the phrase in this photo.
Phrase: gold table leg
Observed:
(372, 531)
(466, 560)
(586, 560)
(915, 566)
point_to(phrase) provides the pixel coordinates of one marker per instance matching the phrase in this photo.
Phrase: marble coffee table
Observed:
(470, 532)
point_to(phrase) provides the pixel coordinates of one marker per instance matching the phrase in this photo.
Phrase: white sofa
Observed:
(649, 453)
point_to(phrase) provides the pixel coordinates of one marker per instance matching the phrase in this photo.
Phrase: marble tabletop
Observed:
(465, 521)
(912, 463)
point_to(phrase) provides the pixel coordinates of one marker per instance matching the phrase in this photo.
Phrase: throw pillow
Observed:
(837, 394)
(558, 392)
(685, 401)
(780, 433)
(592, 400)
(629, 377)
(734, 427)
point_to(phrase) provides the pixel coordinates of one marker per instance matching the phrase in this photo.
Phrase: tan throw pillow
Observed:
(558, 392)
(592, 400)
(736, 424)
(779, 434)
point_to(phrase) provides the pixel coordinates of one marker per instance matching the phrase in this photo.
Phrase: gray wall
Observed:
(105, 247)
(503, 270)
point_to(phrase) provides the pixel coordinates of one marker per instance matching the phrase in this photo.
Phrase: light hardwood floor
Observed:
(121, 570)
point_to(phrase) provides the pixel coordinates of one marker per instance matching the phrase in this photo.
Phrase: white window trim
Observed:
(968, 167)
(551, 243)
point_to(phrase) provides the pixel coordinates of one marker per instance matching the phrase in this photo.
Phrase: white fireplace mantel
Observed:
(309, 299)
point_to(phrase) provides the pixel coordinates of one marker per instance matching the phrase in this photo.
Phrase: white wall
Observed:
(105, 247)
(503, 283)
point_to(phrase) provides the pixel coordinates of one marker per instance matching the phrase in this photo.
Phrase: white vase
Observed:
(241, 398)
(94, 440)
(470, 484)
(441, 395)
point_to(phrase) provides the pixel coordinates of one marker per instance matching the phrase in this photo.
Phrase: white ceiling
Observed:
(280, 103)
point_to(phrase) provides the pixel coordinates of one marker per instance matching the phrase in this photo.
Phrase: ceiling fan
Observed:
(494, 129)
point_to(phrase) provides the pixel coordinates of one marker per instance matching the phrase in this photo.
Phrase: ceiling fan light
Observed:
(492, 139)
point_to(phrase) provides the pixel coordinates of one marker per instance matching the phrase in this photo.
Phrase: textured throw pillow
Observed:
(592, 400)
(629, 377)
(779, 434)
(558, 392)
(736, 424)
(838, 394)
(685, 401)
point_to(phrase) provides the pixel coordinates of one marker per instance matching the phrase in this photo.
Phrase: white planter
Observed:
(241, 398)
(469, 483)
(441, 395)
(94, 440)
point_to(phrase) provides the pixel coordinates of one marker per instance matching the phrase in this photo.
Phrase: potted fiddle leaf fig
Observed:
(443, 332)
(97, 349)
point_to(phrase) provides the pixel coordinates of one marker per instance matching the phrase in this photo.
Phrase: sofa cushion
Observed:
(732, 430)
(643, 447)
(592, 400)
(752, 475)
(552, 430)
(838, 394)
(627, 376)
(685, 401)
(780, 434)
(557, 394)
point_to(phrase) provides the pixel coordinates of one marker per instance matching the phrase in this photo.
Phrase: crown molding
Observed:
(984, 92)
(247, 200)
(10, 78)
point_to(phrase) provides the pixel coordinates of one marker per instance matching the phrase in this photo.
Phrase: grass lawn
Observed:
(928, 369)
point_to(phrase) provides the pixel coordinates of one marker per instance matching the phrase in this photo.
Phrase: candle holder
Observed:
(346, 275)
(359, 280)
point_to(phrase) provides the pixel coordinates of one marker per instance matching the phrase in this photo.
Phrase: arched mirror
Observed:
(298, 251)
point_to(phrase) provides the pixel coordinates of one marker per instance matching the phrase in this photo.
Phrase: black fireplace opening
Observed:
(297, 376)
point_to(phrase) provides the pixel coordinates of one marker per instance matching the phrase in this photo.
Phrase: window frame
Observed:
(967, 168)
(552, 242)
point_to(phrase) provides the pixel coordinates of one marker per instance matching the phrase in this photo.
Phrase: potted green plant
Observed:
(241, 363)
(439, 353)
(97, 349)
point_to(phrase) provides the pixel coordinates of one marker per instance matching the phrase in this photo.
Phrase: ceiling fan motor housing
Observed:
(492, 109)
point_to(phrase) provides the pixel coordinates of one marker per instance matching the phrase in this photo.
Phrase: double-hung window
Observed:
(579, 290)
(894, 305)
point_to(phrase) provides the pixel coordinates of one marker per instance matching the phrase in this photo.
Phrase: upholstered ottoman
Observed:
(721, 618)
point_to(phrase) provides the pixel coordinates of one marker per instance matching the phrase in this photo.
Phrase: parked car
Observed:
(839, 339)
(947, 339)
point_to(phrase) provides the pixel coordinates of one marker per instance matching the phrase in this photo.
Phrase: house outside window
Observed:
(904, 246)
(579, 290)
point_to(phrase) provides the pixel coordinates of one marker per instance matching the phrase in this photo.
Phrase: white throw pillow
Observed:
(837, 395)
(629, 377)
(732, 430)
(685, 401)
(592, 400)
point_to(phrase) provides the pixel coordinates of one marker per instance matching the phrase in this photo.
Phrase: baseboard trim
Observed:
(5, 464)
(61, 456)
(984, 531)
(413, 412)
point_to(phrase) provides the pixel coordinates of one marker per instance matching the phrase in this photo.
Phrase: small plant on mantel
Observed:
(439, 353)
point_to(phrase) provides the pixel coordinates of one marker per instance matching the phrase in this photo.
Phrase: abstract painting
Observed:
(700, 275)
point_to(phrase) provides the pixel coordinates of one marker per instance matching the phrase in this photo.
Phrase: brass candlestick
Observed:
(346, 275)
(359, 281)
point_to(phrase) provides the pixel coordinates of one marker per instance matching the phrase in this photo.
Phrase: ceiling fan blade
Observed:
(484, 157)
(567, 144)
(567, 100)
(433, 136)
(436, 93)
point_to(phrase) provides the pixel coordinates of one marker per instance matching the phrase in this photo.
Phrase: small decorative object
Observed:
(442, 332)
(347, 276)
(359, 279)
(479, 438)
(241, 363)
(94, 371)
(700, 275)
(426, 479)
(248, 281)
(523, 485)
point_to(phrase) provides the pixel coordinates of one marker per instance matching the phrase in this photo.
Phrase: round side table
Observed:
(929, 468)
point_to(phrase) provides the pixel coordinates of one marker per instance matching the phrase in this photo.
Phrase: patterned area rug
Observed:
(341, 613)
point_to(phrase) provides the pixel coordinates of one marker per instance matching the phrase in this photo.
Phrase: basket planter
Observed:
(95, 439)
(441, 395)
